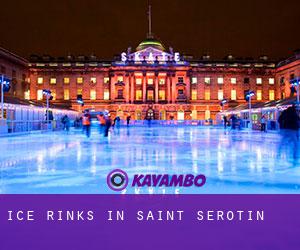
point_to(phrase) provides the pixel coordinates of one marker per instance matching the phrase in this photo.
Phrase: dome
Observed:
(150, 42)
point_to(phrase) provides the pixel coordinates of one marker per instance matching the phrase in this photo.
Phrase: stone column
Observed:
(188, 88)
(132, 90)
(173, 84)
(112, 88)
(156, 87)
(144, 87)
(127, 93)
(169, 82)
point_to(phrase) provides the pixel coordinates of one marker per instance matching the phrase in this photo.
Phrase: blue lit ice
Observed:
(233, 162)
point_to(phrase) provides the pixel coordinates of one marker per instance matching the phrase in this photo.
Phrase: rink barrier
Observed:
(29, 126)
(169, 123)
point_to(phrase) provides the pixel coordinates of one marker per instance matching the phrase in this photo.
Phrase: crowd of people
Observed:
(105, 123)
(289, 122)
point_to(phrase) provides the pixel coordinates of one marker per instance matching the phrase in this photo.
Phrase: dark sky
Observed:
(243, 28)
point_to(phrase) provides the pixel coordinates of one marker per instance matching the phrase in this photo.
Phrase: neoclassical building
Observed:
(150, 81)
(153, 81)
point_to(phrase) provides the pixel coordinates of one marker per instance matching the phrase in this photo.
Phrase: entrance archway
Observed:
(150, 114)
(162, 115)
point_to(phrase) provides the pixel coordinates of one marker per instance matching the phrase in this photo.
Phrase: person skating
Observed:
(225, 121)
(86, 122)
(102, 122)
(107, 125)
(289, 127)
(128, 120)
(263, 123)
(66, 123)
(116, 124)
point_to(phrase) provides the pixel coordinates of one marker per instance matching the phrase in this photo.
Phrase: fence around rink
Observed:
(26, 118)
(170, 122)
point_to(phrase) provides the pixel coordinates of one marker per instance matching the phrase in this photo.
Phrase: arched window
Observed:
(138, 115)
(120, 113)
(207, 114)
(162, 115)
(180, 115)
(194, 115)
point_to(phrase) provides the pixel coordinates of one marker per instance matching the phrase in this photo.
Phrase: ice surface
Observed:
(233, 162)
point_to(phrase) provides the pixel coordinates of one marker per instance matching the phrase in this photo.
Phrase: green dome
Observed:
(150, 42)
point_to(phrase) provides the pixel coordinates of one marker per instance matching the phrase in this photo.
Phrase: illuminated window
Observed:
(106, 79)
(79, 80)
(207, 114)
(53, 93)
(120, 78)
(207, 80)
(162, 81)
(220, 94)
(79, 91)
(271, 95)
(258, 80)
(161, 95)
(40, 80)
(66, 94)
(259, 95)
(194, 80)
(93, 94)
(52, 80)
(150, 81)
(27, 95)
(66, 80)
(207, 95)
(93, 80)
(40, 94)
(271, 80)
(150, 95)
(138, 95)
(106, 94)
(138, 81)
(220, 80)
(194, 115)
(233, 80)
(194, 94)
(233, 94)
(180, 115)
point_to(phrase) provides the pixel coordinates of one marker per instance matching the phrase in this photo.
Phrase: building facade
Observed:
(155, 82)
(16, 69)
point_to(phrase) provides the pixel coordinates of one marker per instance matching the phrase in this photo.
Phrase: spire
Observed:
(149, 35)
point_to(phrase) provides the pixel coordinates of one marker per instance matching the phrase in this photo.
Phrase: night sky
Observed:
(244, 28)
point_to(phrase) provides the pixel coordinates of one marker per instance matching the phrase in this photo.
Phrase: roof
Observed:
(150, 42)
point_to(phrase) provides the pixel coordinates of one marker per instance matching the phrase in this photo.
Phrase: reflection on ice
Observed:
(235, 162)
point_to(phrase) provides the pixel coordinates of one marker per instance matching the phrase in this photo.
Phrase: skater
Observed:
(102, 122)
(289, 126)
(225, 121)
(86, 122)
(117, 121)
(128, 120)
(66, 123)
(263, 123)
(233, 121)
(107, 125)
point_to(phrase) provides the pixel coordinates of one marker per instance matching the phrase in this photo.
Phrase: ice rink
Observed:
(232, 161)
